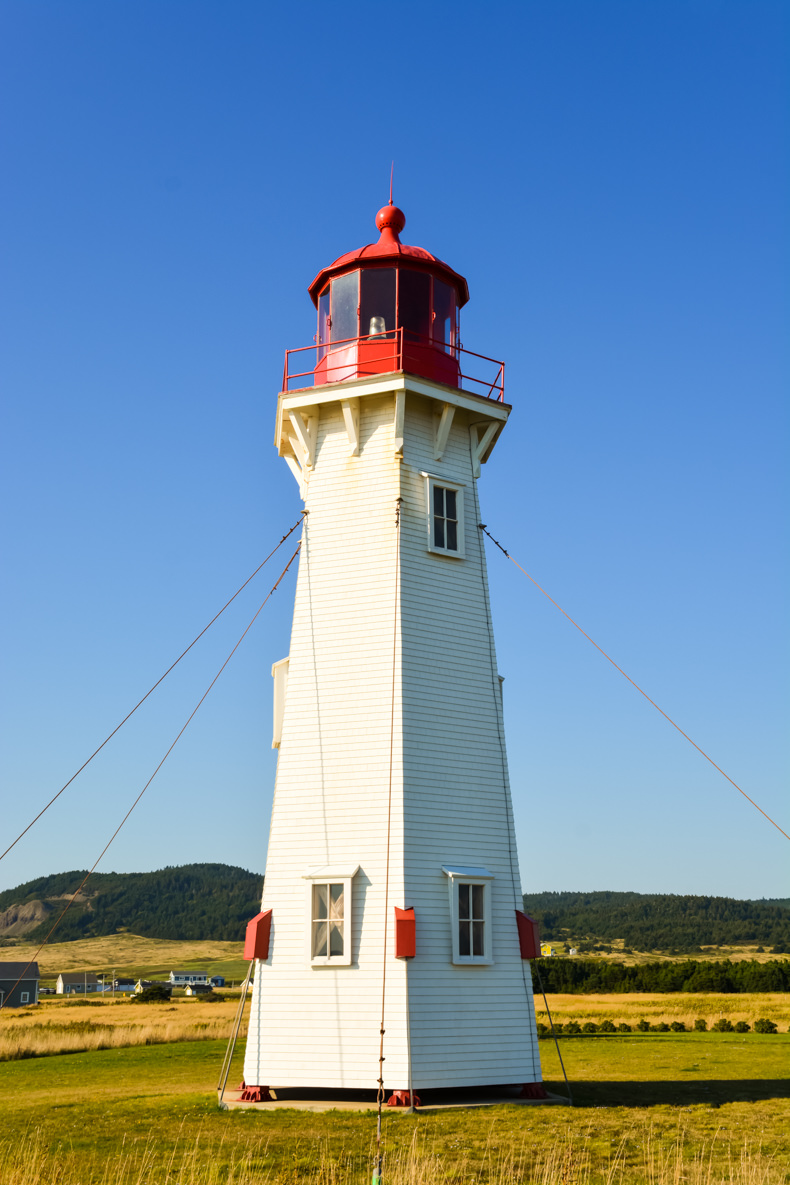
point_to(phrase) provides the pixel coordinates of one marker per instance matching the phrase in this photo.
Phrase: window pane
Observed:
(336, 902)
(449, 501)
(452, 535)
(477, 902)
(438, 501)
(438, 532)
(463, 901)
(323, 319)
(319, 940)
(443, 313)
(319, 901)
(414, 304)
(345, 298)
(463, 938)
(376, 300)
(335, 938)
(477, 938)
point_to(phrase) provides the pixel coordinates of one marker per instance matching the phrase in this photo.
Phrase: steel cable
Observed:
(183, 729)
(485, 530)
(150, 690)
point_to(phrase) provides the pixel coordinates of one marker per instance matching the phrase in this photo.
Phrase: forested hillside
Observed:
(194, 901)
(660, 922)
(215, 901)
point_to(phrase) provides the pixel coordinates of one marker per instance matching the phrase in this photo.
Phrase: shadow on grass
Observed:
(714, 1092)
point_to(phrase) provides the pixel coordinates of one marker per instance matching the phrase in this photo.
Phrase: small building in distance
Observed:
(198, 989)
(183, 978)
(217, 981)
(78, 983)
(123, 985)
(16, 995)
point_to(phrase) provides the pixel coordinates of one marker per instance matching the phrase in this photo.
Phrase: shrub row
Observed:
(572, 1028)
(580, 976)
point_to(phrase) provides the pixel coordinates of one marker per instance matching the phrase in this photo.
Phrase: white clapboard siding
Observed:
(446, 765)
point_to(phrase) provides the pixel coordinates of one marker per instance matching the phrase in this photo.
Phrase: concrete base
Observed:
(433, 1101)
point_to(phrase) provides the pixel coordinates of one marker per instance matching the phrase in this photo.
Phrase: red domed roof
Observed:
(390, 221)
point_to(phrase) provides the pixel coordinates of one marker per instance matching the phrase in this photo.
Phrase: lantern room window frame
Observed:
(337, 323)
(463, 876)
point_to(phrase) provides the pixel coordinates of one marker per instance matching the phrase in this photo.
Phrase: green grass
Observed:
(680, 1095)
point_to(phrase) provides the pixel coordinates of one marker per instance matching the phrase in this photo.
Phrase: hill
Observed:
(658, 921)
(195, 901)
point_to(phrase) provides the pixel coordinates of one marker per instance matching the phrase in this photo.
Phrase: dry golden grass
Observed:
(123, 950)
(557, 1161)
(72, 1027)
(686, 1007)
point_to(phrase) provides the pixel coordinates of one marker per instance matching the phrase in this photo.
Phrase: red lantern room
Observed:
(387, 307)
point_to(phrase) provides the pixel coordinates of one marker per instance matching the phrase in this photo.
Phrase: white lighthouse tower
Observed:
(392, 878)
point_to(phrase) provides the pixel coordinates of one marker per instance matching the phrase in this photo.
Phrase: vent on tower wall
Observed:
(256, 940)
(280, 676)
(405, 934)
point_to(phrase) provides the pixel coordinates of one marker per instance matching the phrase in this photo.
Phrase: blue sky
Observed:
(612, 178)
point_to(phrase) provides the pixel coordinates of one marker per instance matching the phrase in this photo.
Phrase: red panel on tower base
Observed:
(528, 936)
(405, 934)
(256, 940)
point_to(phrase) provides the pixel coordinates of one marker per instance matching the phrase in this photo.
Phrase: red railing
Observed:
(384, 353)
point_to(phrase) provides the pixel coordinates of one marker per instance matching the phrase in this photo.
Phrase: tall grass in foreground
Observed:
(84, 1036)
(641, 1158)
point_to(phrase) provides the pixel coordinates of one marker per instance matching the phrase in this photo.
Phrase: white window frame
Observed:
(24, 997)
(331, 874)
(431, 481)
(470, 875)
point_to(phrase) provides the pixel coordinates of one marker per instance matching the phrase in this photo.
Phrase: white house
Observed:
(78, 983)
(392, 788)
(182, 978)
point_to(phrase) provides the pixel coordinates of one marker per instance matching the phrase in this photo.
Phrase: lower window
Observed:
(24, 997)
(329, 914)
(470, 913)
(328, 921)
(471, 920)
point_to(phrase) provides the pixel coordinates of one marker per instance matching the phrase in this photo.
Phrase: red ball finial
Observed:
(392, 218)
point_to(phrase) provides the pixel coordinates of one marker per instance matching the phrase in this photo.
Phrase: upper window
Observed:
(445, 517)
(470, 914)
(330, 915)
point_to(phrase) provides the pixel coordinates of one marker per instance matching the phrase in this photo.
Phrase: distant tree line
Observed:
(585, 976)
(195, 901)
(658, 921)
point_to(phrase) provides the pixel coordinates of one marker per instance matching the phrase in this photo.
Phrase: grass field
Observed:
(660, 1108)
(154, 958)
(128, 954)
(66, 1025)
(631, 1007)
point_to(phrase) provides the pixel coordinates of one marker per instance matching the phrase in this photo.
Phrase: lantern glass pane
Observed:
(345, 300)
(377, 301)
(443, 315)
(414, 304)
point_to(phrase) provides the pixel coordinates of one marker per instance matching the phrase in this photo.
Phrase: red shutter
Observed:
(256, 940)
(405, 934)
(528, 936)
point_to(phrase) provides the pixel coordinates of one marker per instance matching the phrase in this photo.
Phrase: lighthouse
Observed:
(390, 943)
